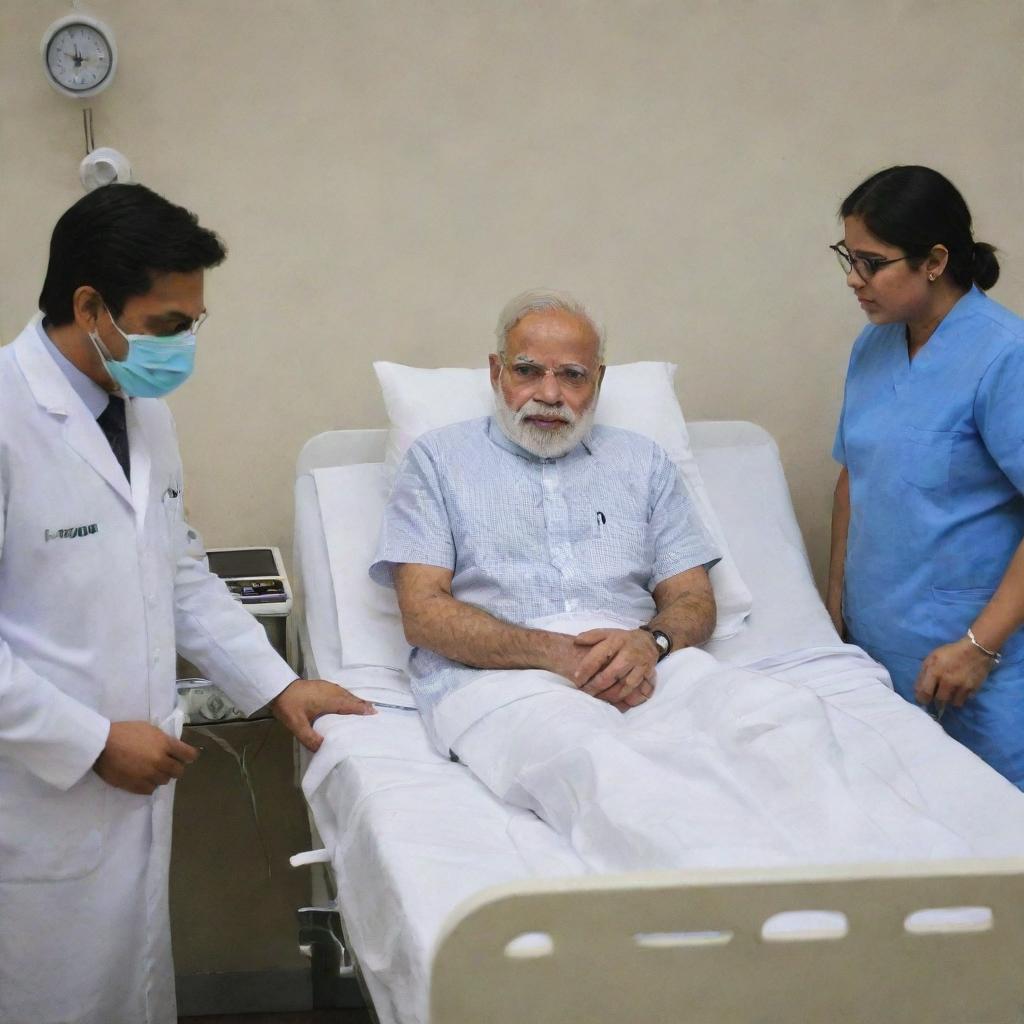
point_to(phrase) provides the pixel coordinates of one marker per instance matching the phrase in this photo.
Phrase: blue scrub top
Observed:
(935, 452)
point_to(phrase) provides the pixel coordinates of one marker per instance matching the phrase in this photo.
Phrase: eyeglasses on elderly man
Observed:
(525, 372)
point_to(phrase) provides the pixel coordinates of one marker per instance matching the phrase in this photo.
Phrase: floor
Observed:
(307, 1017)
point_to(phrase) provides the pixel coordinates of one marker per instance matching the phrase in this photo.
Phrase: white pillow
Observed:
(635, 396)
(351, 500)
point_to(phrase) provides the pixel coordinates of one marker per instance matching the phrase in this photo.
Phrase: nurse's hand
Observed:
(952, 673)
(139, 757)
(302, 702)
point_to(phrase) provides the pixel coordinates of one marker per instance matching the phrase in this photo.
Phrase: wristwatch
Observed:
(661, 640)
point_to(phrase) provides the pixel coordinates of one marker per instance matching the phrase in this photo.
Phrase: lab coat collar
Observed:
(139, 447)
(502, 440)
(54, 393)
(92, 395)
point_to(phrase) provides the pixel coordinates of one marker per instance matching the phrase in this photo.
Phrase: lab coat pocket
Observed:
(926, 457)
(48, 834)
(173, 518)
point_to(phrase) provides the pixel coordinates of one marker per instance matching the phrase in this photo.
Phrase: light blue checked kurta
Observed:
(527, 538)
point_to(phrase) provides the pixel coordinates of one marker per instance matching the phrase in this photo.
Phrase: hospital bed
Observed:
(459, 908)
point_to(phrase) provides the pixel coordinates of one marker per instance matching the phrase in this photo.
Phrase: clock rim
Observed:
(98, 26)
(106, 43)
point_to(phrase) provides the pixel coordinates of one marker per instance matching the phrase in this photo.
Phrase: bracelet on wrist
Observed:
(994, 655)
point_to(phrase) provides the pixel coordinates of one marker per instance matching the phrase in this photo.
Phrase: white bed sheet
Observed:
(411, 834)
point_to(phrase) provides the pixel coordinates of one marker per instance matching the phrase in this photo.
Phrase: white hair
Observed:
(539, 300)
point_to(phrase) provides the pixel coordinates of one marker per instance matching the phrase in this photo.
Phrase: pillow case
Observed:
(351, 500)
(634, 396)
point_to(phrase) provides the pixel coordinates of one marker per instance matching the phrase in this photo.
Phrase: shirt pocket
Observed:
(926, 457)
(615, 549)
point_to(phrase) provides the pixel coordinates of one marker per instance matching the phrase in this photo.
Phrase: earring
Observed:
(931, 277)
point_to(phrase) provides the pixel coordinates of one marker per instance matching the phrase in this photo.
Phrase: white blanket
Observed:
(722, 767)
(412, 834)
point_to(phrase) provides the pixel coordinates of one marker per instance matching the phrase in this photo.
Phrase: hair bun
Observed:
(986, 266)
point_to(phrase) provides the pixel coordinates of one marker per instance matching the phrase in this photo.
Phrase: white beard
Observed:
(550, 443)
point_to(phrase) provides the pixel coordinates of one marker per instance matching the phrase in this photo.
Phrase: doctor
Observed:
(98, 587)
(927, 570)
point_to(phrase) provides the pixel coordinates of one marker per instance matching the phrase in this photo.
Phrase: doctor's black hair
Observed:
(117, 239)
(915, 208)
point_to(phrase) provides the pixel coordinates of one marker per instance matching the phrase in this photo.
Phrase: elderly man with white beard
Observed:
(496, 525)
(544, 567)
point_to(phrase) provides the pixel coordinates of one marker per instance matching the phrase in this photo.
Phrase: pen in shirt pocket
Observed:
(601, 520)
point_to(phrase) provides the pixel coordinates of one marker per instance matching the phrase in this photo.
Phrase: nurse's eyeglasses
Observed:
(866, 266)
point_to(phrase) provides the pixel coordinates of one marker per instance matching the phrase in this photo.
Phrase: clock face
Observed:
(79, 57)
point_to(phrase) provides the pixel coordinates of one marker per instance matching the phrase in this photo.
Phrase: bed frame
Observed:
(729, 947)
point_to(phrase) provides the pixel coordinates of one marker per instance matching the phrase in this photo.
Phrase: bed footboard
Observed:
(938, 942)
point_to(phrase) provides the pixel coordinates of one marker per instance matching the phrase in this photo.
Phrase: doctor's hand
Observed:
(302, 702)
(619, 666)
(139, 757)
(952, 673)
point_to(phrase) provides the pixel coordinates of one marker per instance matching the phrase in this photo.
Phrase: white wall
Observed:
(387, 174)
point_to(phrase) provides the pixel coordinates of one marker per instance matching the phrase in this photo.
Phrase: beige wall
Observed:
(387, 174)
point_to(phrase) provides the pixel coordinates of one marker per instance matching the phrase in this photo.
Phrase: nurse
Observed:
(927, 567)
(100, 581)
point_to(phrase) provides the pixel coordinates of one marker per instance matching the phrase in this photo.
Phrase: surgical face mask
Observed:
(153, 366)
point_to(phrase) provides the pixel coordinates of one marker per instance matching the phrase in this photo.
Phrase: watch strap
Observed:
(663, 651)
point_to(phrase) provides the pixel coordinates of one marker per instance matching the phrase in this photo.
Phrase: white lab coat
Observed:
(97, 590)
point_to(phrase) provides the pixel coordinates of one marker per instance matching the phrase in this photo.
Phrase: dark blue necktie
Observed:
(112, 423)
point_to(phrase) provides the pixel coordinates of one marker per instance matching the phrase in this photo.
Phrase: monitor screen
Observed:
(235, 564)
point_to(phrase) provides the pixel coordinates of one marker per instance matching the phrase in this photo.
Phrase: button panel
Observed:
(260, 591)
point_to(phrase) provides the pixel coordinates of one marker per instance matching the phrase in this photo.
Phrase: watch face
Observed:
(79, 57)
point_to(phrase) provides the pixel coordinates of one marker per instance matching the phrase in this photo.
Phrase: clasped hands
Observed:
(613, 665)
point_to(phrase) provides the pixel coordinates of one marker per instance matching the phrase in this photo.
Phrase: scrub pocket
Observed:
(926, 457)
(967, 604)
